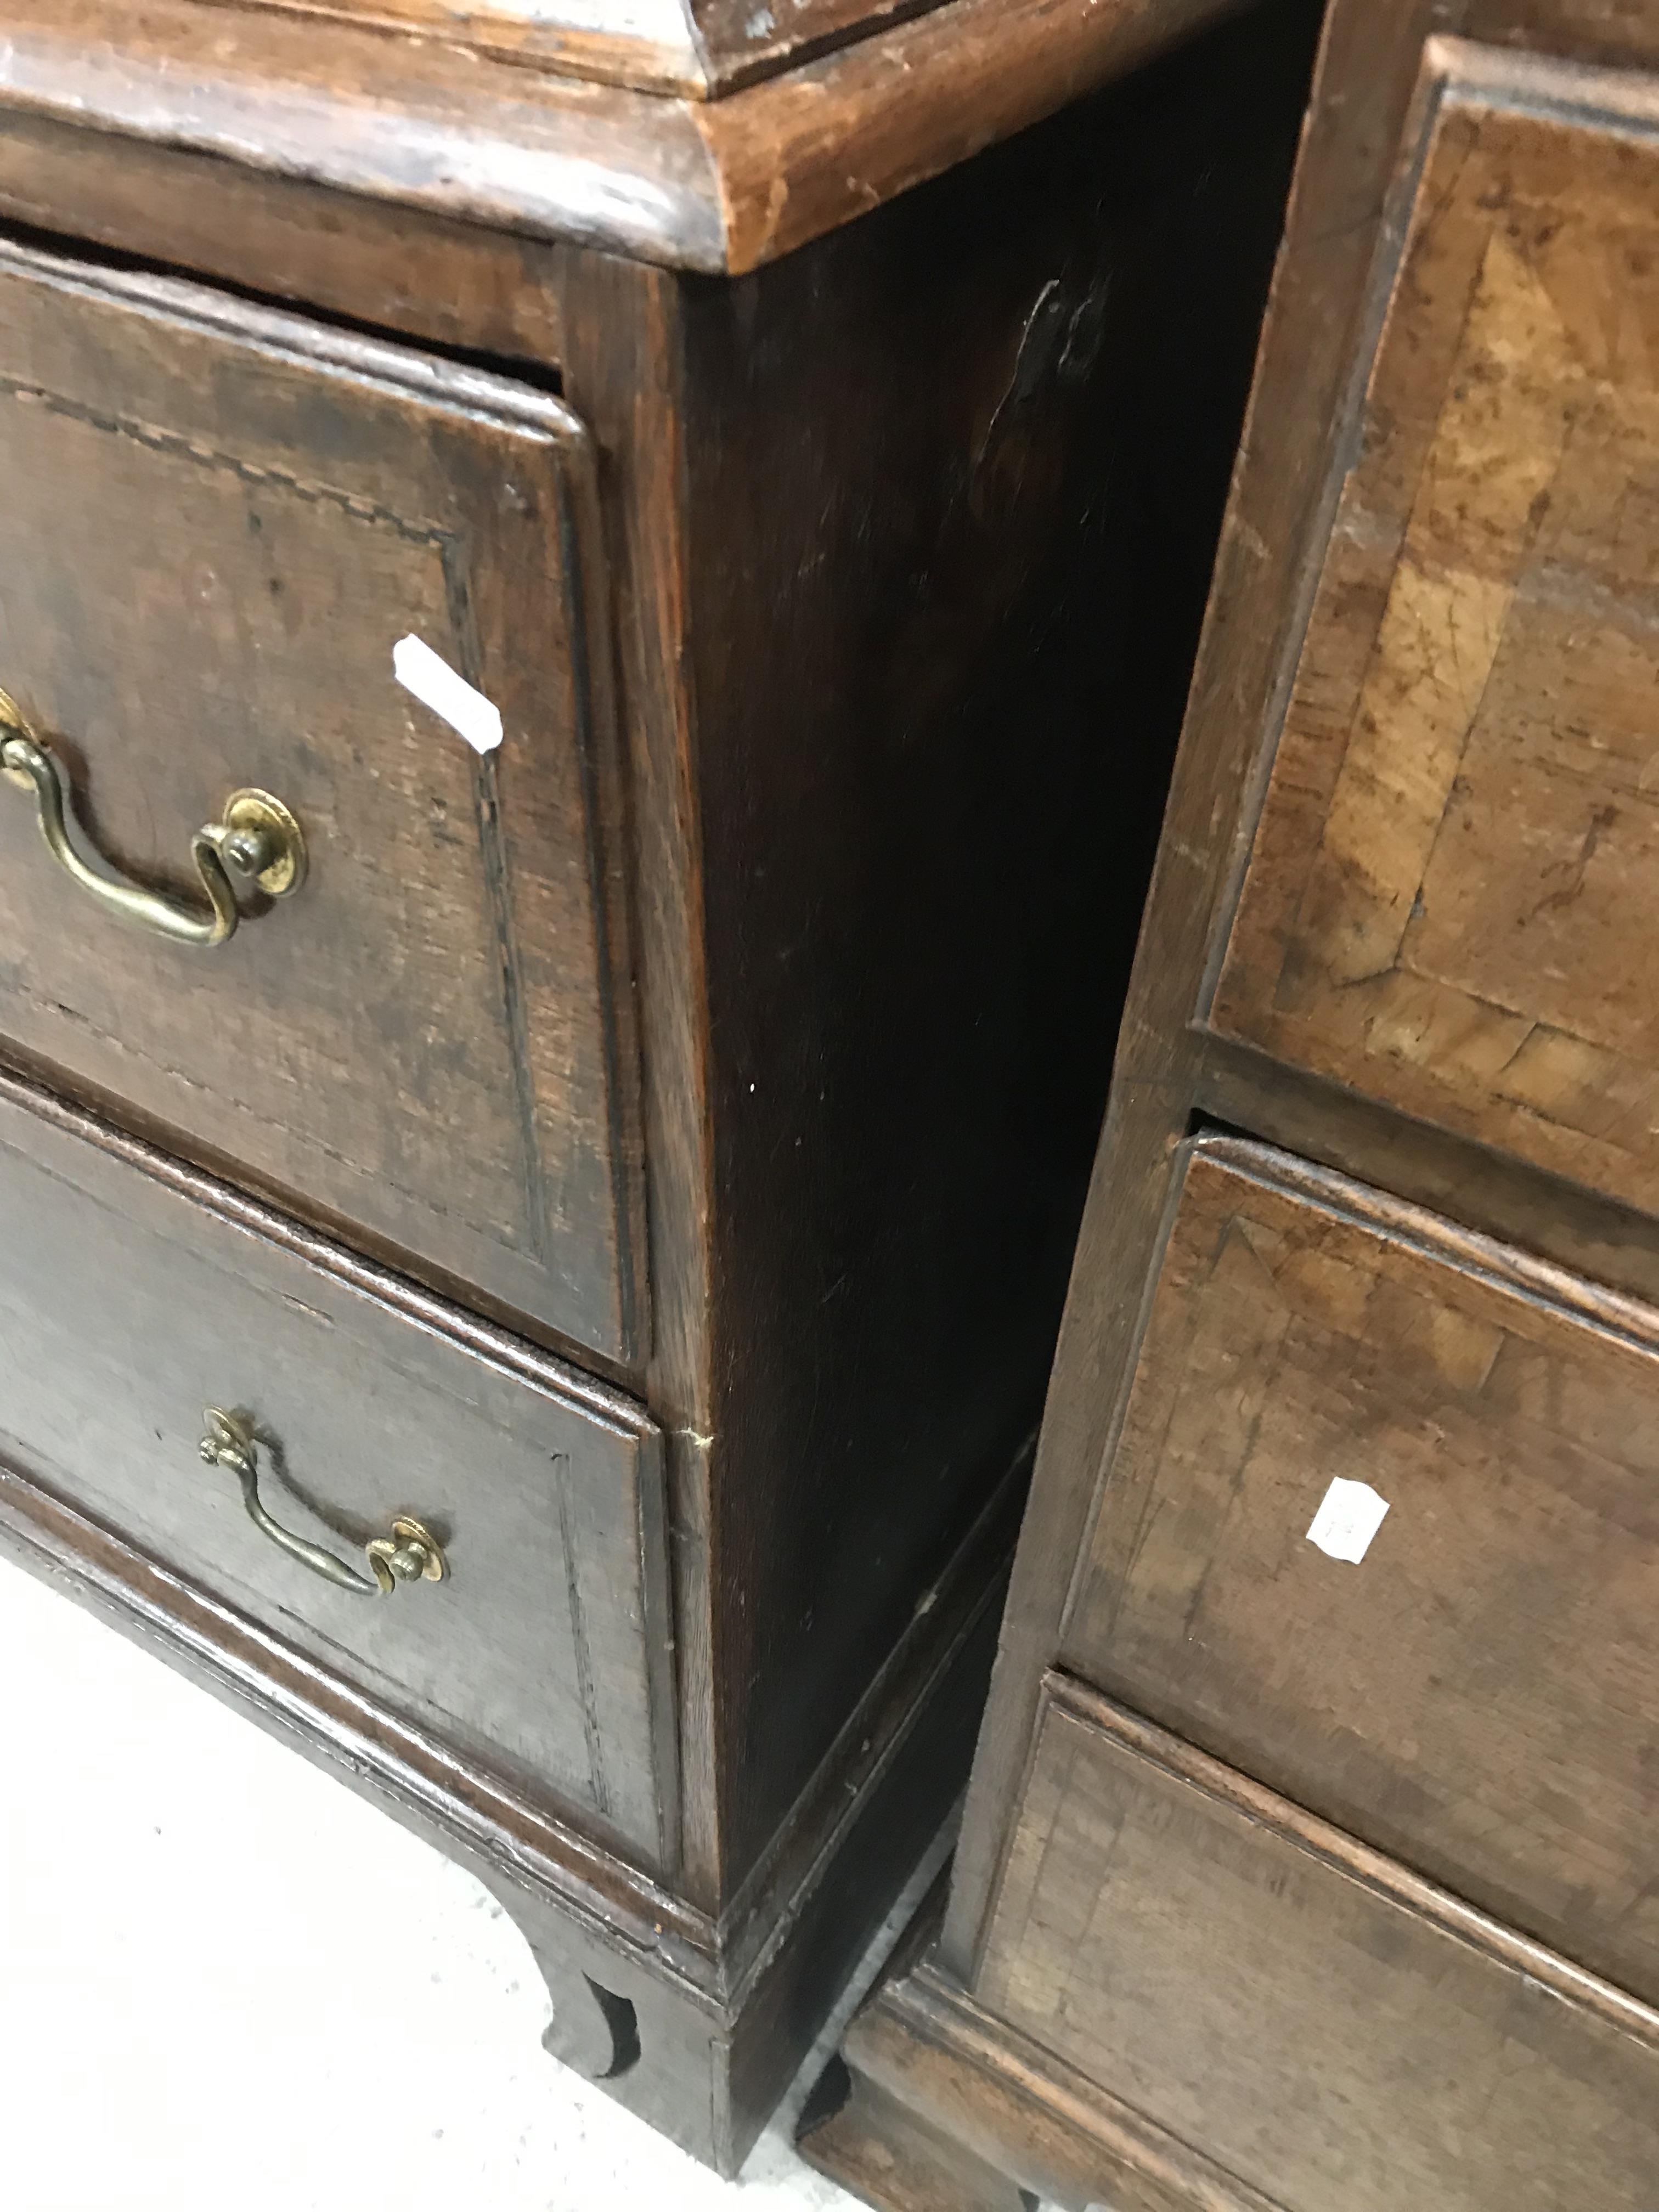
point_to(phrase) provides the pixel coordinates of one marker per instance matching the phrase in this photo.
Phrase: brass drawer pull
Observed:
(410, 1553)
(258, 840)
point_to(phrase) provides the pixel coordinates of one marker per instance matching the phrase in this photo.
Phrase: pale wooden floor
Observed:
(224, 1980)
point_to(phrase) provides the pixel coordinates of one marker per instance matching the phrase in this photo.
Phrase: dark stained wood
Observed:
(623, 368)
(217, 526)
(853, 518)
(883, 1739)
(740, 43)
(712, 186)
(1481, 1695)
(403, 121)
(889, 1815)
(711, 2023)
(617, 337)
(710, 2075)
(133, 1295)
(422, 276)
(458, 1804)
(1284, 485)
(1447, 900)
(812, 149)
(901, 562)
(1160, 1922)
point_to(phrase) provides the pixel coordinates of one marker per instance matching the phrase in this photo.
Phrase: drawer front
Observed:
(1479, 1692)
(134, 1295)
(218, 524)
(1335, 2033)
(1452, 903)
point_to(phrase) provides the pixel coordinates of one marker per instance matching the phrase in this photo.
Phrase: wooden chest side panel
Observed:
(1453, 900)
(904, 558)
(1326, 2029)
(1480, 1694)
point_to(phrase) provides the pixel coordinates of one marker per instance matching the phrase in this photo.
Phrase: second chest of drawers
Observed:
(1308, 1861)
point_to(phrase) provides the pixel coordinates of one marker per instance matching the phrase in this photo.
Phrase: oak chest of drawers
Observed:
(552, 836)
(1309, 1861)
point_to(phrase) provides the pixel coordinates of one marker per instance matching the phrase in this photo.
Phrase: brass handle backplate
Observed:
(257, 841)
(410, 1553)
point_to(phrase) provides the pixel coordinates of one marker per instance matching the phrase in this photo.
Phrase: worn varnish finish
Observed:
(869, 733)
(130, 1299)
(1369, 116)
(1143, 2034)
(701, 48)
(1481, 1697)
(1415, 739)
(216, 526)
(947, 2105)
(1447, 903)
(721, 187)
(1160, 1922)
(768, 924)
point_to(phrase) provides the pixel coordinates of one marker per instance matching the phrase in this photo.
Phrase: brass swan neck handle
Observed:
(257, 841)
(410, 1553)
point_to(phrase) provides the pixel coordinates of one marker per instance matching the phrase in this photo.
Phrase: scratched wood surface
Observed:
(134, 1294)
(1481, 1695)
(862, 513)
(1334, 2032)
(703, 48)
(468, 131)
(700, 47)
(1453, 900)
(217, 522)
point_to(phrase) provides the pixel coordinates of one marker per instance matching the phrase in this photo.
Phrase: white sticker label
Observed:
(1349, 1516)
(436, 684)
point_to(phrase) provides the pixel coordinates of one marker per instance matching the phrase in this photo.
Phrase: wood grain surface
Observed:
(133, 1295)
(1138, 1998)
(218, 522)
(653, 45)
(1348, 152)
(1478, 1696)
(699, 47)
(1162, 1926)
(1453, 900)
(936, 503)
(703, 48)
(945, 2108)
(908, 489)
(716, 185)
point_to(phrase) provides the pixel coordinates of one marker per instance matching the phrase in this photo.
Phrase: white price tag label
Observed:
(1349, 1516)
(436, 684)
